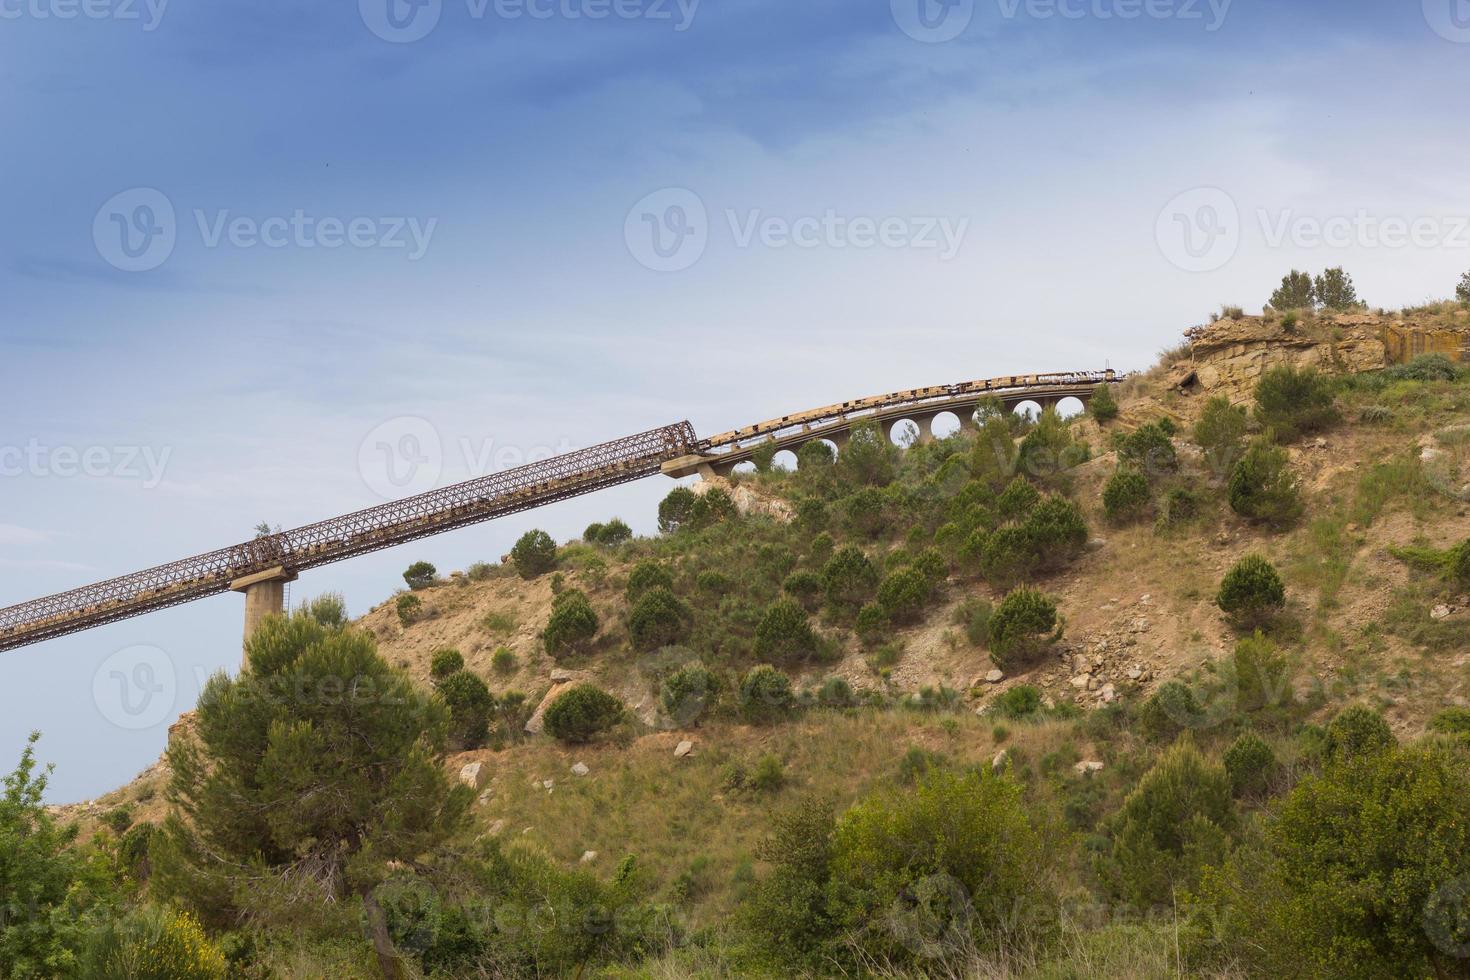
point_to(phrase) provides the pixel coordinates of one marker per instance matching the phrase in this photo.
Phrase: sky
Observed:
(275, 261)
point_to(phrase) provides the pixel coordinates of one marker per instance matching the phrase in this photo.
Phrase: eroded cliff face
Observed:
(1229, 356)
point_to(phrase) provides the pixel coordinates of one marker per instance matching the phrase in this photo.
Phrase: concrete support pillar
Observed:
(705, 471)
(926, 428)
(265, 595)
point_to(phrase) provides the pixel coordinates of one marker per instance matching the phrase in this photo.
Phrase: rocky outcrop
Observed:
(747, 501)
(1229, 356)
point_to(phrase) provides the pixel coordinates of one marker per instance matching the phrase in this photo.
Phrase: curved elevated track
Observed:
(673, 449)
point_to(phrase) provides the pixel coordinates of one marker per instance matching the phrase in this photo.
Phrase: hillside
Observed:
(1366, 620)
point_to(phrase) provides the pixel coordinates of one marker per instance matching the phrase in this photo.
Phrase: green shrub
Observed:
(445, 662)
(974, 615)
(572, 625)
(784, 634)
(1260, 674)
(644, 576)
(805, 587)
(1220, 433)
(1252, 591)
(1250, 764)
(659, 619)
(1055, 533)
(135, 850)
(1335, 291)
(715, 583)
(769, 774)
(1126, 496)
(119, 818)
(1149, 450)
(688, 693)
(1168, 711)
(812, 515)
(1362, 874)
(869, 458)
(609, 535)
(835, 692)
(329, 609)
(764, 456)
(1175, 822)
(1357, 732)
(534, 554)
(921, 874)
(1020, 702)
(933, 565)
(470, 703)
(504, 662)
(863, 513)
(1296, 292)
(1019, 499)
(1462, 291)
(712, 507)
(1293, 403)
(1452, 721)
(872, 624)
(765, 695)
(151, 943)
(1262, 488)
(903, 595)
(408, 608)
(849, 579)
(820, 550)
(1181, 505)
(674, 511)
(1457, 564)
(815, 456)
(1103, 407)
(420, 575)
(583, 712)
(1020, 628)
(479, 571)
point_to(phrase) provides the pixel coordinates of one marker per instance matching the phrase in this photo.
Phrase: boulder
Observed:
(995, 677)
(473, 775)
(580, 769)
(1087, 767)
(683, 748)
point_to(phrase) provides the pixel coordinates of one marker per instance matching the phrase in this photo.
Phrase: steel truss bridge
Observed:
(672, 449)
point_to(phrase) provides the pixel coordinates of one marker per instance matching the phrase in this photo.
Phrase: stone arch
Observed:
(1071, 406)
(947, 423)
(903, 432)
(785, 459)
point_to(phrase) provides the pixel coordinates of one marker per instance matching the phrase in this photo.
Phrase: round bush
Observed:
(504, 661)
(1356, 732)
(470, 703)
(804, 587)
(1262, 488)
(1250, 764)
(534, 554)
(582, 713)
(608, 535)
(784, 634)
(712, 507)
(1126, 496)
(1019, 627)
(688, 693)
(572, 625)
(1252, 591)
(420, 575)
(644, 576)
(674, 510)
(904, 594)
(1103, 407)
(1019, 702)
(872, 625)
(408, 607)
(849, 579)
(445, 662)
(1018, 499)
(935, 567)
(765, 695)
(1168, 711)
(659, 619)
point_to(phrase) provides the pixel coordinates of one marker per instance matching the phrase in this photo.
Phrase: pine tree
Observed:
(1296, 292)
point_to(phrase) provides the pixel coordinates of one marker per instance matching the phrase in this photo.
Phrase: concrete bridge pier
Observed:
(265, 595)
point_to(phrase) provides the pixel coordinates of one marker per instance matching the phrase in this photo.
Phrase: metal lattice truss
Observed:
(587, 470)
(289, 552)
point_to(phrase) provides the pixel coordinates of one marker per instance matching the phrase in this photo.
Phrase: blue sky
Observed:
(332, 228)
